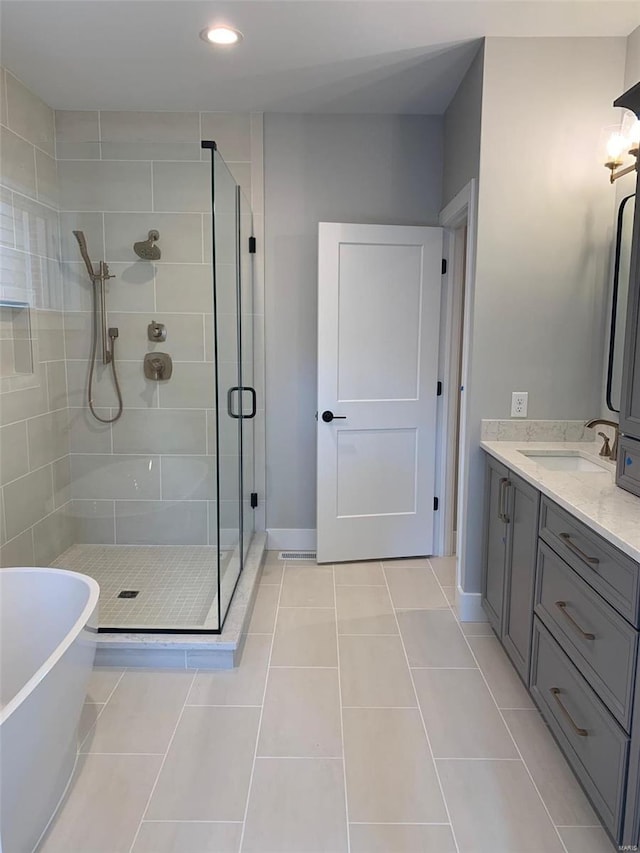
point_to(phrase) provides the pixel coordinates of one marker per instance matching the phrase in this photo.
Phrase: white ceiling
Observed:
(357, 56)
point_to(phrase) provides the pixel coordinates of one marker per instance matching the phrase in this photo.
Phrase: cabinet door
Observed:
(630, 400)
(523, 506)
(495, 541)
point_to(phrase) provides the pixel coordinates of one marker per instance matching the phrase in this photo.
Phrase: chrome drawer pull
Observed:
(566, 538)
(562, 607)
(555, 691)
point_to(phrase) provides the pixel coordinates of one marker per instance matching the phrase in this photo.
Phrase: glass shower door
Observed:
(249, 402)
(227, 515)
(232, 432)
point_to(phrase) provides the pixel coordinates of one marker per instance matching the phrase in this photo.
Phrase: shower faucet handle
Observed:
(158, 366)
(156, 331)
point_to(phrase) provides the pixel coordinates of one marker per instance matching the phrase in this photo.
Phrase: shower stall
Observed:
(157, 280)
(128, 415)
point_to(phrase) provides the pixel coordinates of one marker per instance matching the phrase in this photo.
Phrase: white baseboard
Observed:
(293, 539)
(469, 606)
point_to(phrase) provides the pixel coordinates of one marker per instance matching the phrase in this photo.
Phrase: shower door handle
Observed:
(230, 394)
(254, 402)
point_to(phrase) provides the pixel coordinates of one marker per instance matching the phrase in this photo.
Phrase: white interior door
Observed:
(378, 325)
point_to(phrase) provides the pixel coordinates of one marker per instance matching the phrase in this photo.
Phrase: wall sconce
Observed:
(625, 141)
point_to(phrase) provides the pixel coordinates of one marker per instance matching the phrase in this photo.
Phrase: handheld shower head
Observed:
(146, 249)
(82, 243)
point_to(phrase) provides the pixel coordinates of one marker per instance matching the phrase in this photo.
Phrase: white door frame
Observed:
(462, 209)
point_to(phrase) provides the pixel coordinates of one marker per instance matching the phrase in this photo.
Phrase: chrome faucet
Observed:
(610, 453)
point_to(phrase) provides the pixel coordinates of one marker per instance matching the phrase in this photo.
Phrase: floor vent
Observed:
(128, 593)
(297, 555)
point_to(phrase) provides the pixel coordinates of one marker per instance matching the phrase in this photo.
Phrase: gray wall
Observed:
(369, 169)
(545, 215)
(632, 65)
(544, 223)
(462, 124)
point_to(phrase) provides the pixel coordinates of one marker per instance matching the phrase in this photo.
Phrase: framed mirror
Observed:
(621, 269)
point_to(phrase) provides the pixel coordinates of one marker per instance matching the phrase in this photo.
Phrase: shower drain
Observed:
(128, 593)
(297, 555)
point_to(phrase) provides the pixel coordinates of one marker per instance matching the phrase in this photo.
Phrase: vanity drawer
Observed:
(594, 744)
(594, 635)
(613, 574)
(629, 465)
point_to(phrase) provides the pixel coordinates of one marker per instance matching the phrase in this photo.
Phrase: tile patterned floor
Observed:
(176, 584)
(363, 718)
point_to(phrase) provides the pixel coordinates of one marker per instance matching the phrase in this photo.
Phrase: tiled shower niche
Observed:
(16, 346)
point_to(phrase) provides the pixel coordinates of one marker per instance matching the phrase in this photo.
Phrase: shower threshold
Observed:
(176, 647)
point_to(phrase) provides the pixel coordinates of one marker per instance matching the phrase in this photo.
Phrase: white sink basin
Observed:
(568, 461)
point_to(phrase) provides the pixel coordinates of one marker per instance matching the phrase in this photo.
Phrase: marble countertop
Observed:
(593, 497)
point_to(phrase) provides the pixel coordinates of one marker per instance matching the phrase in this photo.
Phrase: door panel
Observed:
(376, 472)
(378, 325)
(379, 338)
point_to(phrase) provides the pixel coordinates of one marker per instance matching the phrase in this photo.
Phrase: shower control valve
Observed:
(158, 366)
(156, 331)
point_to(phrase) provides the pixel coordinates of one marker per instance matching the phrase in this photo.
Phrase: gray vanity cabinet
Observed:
(511, 532)
(565, 604)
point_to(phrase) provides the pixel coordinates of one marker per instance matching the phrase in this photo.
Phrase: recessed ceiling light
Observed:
(221, 35)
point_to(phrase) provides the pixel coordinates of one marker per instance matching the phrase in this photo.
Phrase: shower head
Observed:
(146, 249)
(82, 243)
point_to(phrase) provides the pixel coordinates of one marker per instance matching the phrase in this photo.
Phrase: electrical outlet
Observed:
(519, 404)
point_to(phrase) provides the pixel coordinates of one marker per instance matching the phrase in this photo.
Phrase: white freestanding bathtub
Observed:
(48, 632)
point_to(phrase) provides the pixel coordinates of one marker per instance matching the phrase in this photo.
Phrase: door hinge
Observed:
(252, 245)
(439, 389)
(436, 504)
(254, 500)
(444, 266)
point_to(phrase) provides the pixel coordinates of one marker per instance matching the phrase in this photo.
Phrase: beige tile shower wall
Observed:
(35, 520)
(150, 477)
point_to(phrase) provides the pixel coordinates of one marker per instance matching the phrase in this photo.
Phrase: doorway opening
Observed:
(458, 219)
(460, 248)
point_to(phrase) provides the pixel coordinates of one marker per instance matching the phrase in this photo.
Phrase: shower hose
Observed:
(92, 365)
